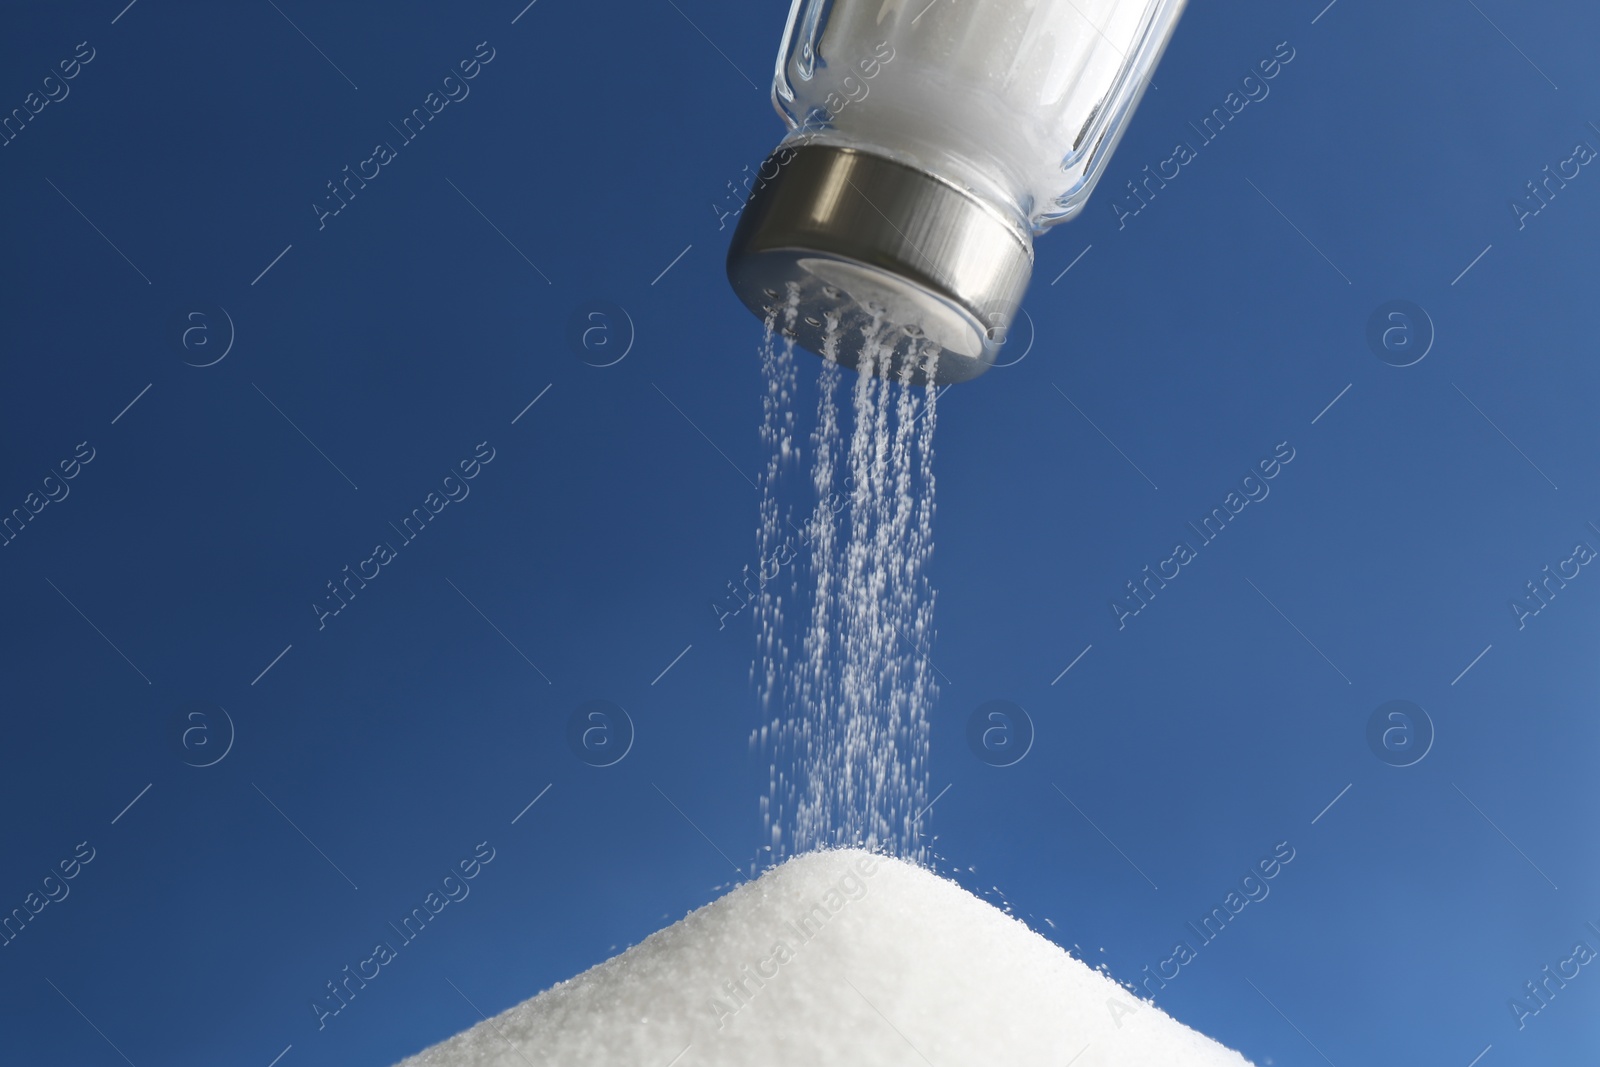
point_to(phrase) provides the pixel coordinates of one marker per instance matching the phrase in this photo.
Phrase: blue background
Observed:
(600, 141)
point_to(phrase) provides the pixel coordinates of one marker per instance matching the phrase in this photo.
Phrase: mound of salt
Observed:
(836, 957)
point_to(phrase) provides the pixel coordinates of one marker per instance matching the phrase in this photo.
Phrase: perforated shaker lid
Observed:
(866, 245)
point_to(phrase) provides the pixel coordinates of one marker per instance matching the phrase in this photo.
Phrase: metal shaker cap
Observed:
(879, 251)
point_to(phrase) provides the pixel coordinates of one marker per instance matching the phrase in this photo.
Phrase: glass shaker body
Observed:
(1022, 101)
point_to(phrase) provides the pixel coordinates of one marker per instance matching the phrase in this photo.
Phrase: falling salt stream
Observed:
(848, 708)
(777, 437)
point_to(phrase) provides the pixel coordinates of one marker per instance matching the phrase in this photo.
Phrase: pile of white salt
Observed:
(836, 957)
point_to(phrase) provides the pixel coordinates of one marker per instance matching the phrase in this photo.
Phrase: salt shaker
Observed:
(929, 141)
